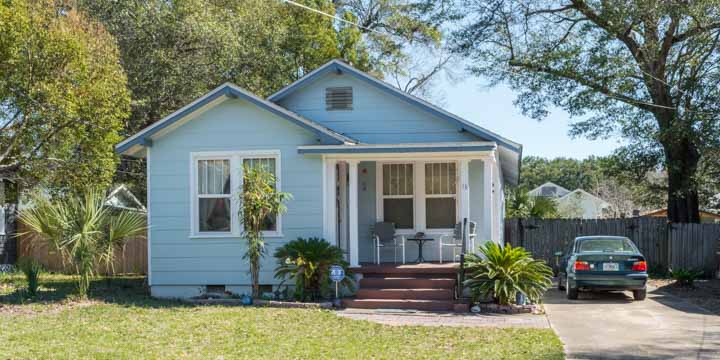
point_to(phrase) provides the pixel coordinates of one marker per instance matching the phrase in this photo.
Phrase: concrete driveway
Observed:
(613, 326)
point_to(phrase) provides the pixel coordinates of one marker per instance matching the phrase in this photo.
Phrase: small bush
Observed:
(502, 272)
(685, 277)
(307, 262)
(31, 268)
(659, 271)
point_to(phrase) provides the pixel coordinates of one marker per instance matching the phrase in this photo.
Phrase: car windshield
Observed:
(606, 245)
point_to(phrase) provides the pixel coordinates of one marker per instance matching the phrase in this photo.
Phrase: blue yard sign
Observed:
(337, 273)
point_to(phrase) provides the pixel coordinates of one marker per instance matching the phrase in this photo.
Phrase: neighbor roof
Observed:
(132, 144)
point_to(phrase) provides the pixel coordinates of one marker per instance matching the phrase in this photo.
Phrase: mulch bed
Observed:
(706, 293)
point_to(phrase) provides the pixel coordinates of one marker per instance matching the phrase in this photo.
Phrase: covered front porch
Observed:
(424, 188)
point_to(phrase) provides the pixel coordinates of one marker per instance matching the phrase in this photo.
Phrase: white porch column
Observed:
(353, 212)
(330, 201)
(487, 226)
(465, 196)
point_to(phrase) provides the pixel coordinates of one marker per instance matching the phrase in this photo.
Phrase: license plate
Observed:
(611, 266)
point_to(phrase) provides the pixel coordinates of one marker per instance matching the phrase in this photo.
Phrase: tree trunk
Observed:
(682, 159)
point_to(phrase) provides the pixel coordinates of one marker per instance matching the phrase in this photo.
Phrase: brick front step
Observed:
(426, 305)
(407, 283)
(414, 294)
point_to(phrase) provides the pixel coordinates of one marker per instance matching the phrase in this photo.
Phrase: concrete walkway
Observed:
(613, 326)
(400, 317)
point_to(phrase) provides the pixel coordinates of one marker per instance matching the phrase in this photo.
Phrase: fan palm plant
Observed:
(502, 272)
(83, 230)
(260, 199)
(520, 205)
(308, 262)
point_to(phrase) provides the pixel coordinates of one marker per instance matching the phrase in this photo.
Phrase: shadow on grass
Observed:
(130, 290)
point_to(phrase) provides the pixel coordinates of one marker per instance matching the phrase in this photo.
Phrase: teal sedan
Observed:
(603, 263)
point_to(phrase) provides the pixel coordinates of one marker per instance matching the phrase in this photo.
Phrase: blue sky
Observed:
(493, 109)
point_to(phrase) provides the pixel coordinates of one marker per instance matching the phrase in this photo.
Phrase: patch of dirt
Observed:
(706, 293)
(37, 308)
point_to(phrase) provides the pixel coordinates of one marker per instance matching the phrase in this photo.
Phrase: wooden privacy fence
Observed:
(132, 260)
(675, 246)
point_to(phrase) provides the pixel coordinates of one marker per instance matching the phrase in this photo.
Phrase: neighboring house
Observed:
(549, 189)
(578, 203)
(122, 198)
(352, 150)
(706, 217)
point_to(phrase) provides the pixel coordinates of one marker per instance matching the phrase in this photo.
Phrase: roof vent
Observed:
(339, 98)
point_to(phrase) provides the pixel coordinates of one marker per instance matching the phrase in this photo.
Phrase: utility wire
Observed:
(319, 12)
(290, 2)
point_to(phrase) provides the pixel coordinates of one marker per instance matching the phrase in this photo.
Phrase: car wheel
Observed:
(572, 293)
(561, 287)
(639, 294)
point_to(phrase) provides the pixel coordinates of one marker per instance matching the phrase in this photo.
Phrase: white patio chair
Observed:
(384, 237)
(454, 240)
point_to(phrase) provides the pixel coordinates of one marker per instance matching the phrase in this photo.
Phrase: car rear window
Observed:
(606, 245)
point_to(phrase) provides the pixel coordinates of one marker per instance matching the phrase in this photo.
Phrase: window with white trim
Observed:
(214, 195)
(216, 187)
(440, 195)
(398, 195)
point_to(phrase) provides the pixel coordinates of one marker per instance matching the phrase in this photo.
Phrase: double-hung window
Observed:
(440, 195)
(214, 194)
(397, 196)
(216, 188)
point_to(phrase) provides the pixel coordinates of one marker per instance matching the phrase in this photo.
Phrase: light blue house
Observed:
(351, 149)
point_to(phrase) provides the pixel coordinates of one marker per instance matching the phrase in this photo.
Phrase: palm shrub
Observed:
(82, 230)
(308, 262)
(260, 198)
(685, 277)
(31, 268)
(520, 205)
(502, 272)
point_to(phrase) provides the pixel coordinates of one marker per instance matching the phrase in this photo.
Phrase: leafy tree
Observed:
(569, 173)
(259, 199)
(645, 70)
(63, 96)
(82, 229)
(520, 205)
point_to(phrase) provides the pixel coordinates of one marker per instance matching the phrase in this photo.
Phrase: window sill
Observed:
(273, 235)
(213, 236)
(269, 235)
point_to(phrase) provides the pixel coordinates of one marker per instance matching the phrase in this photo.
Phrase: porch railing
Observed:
(463, 251)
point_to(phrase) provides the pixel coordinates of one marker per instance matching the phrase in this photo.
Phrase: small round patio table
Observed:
(421, 241)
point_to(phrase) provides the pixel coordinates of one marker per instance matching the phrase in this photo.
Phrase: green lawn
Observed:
(121, 321)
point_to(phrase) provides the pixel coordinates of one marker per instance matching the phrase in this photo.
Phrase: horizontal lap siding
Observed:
(234, 125)
(377, 116)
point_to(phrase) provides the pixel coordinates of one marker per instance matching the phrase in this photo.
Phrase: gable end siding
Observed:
(375, 118)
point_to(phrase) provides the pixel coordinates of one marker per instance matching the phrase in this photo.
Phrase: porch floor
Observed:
(408, 269)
